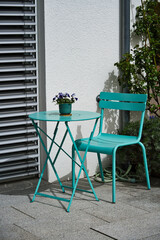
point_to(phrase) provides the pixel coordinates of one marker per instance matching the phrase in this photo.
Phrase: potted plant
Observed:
(140, 69)
(65, 100)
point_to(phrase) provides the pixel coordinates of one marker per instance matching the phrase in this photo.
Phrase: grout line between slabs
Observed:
(18, 210)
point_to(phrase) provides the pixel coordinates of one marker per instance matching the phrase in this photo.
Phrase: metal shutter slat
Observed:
(18, 77)
(17, 96)
(14, 113)
(15, 167)
(18, 175)
(17, 13)
(16, 50)
(18, 157)
(14, 131)
(19, 105)
(17, 87)
(16, 4)
(15, 123)
(17, 59)
(15, 140)
(16, 41)
(16, 32)
(17, 69)
(16, 23)
(18, 149)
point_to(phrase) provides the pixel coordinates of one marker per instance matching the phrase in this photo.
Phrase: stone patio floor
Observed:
(136, 214)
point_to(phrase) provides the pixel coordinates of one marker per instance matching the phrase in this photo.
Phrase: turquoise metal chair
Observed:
(109, 143)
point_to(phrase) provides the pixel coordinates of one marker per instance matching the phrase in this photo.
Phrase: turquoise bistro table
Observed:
(54, 116)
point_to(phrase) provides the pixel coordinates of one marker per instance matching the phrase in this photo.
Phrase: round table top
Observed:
(56, 117)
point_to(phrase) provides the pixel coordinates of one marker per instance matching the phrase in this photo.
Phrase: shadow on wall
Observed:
(111, 117)
(134, 39)
(111, 120)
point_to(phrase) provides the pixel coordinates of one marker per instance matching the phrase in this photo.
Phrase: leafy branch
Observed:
(140, 69)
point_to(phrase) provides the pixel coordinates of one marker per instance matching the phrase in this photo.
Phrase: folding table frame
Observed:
(54, 116)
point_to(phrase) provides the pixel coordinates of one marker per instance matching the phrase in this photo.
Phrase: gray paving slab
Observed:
(83, 235)
(53, 225)
(153, 237)
(114, 212)
(13, 232)
(136, 195)
(141, 197)
(143, 226)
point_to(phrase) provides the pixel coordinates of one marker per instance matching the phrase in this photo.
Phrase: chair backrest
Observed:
(123, 101)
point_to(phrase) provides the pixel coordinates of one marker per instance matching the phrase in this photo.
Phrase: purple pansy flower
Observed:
(65, 98)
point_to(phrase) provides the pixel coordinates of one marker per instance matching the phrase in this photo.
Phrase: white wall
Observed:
(82, 45)
(134, 116)
(134, 4)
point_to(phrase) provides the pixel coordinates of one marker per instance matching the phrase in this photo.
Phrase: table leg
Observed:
(82, 164)
(73, 167)
(47, 158)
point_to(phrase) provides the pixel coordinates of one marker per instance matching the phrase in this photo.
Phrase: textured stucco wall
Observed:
(82, 45)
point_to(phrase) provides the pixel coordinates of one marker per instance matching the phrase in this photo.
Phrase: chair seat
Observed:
(105, 143)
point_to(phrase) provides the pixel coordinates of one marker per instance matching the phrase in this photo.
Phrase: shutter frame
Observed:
(19, 145)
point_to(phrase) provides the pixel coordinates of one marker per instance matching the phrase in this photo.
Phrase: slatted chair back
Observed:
(123, 101)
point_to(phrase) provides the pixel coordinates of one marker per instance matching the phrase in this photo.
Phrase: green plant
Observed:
(65, 98)
(133, 154)
(140, 69)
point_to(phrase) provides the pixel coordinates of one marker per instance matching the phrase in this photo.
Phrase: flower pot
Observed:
(65, 109)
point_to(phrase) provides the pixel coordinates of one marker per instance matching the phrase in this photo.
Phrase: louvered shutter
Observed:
(19, 155)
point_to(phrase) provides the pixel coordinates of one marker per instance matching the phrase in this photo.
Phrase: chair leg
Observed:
(73, 166)
(114, 176)
(100, 166)
(145, 164)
